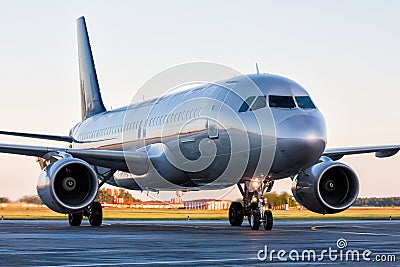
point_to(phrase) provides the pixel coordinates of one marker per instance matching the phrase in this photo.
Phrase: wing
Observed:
(116, 160)
(62, 138)
(380, 151)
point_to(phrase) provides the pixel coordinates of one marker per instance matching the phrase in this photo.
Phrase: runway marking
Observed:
(317, 228)
(13, 252)
(156, 262)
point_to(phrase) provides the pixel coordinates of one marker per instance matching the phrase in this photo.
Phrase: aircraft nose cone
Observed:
(301, 140)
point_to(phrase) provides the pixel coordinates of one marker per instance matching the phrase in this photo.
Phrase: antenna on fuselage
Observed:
(258, 72)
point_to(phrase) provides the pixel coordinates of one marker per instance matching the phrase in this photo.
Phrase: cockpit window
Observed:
(278, 101)
(246, 104)
(305, 102)
(259, 103)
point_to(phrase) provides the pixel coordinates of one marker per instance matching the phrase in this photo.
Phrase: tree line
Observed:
(377, 202)
(31, 199)
(102, 196)
(274, 199)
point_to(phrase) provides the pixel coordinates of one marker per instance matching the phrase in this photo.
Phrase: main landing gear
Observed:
(94, 213)
(253, 206)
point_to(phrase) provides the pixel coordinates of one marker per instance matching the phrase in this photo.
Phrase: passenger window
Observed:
(305, 102)
(259, 103)
(278, 101)
(246, 104)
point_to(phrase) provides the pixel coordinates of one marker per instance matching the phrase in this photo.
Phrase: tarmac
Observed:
(198, 243)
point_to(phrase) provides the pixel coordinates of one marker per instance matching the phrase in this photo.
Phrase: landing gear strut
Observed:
(254, 206)
(94, 212)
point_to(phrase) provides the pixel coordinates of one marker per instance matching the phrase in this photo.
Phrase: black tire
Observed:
(255, 219)
(75, 219)
(268, 220)
(236, 214)
(95, 214)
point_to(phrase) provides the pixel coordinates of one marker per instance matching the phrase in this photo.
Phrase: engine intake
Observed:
(67, 185)
(326, 187)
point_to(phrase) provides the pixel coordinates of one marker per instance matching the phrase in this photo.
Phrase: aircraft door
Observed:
(218, 95)
(213, 132)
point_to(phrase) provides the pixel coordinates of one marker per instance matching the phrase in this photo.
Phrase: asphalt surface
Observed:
(196, 243)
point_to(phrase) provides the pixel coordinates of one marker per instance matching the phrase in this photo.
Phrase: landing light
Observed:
(255, 184)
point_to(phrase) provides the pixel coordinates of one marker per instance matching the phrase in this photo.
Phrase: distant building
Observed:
(207, 204)
(151, 205)
(174, 203)
(281, 207)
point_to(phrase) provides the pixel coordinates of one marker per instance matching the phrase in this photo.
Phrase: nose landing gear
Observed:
(254, 206)
(236, 214)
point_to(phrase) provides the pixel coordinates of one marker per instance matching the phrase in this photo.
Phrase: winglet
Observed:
(91, 101)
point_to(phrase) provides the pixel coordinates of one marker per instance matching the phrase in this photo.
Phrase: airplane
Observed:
(247, 131)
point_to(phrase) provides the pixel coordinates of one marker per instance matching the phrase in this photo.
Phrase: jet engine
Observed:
(67, 185)
(326, 187)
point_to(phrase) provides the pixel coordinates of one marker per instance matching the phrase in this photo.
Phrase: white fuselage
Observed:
(178, 130)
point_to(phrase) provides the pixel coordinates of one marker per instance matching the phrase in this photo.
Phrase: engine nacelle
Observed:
(67, 185)
(326, 187)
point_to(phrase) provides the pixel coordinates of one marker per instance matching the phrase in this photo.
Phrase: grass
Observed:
(179, 214)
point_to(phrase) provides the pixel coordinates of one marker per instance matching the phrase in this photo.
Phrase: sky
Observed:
(345, 53)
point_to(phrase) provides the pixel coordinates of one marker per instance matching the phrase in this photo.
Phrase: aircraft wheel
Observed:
(95, 214)
(236, 214)
(75, 219)
(255, 219)
(268, 220)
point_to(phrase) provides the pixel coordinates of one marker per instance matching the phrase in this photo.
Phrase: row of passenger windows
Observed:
(155, 121)
(276, 101)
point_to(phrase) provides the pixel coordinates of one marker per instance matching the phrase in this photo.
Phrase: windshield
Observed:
(259, 103)
(304, 102)
(246, 104)
(278, 101)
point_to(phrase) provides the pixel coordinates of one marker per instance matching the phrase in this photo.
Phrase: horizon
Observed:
(345, 55)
